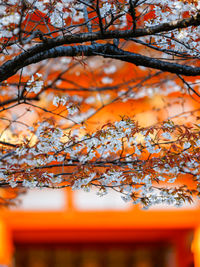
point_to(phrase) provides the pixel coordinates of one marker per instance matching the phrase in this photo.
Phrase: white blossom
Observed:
(35, 84)
(105, 9)
(110, 69)
(186, 145)
(29, 184)
(167, 135)
(106, 80)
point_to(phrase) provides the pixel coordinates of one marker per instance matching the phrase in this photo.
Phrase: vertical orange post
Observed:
(196, 247)
(69, 199)
(6, 247)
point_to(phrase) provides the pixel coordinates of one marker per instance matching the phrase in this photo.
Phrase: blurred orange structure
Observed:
(111, 225)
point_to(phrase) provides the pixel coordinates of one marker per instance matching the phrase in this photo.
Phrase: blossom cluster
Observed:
(179, 40)
(122, 156)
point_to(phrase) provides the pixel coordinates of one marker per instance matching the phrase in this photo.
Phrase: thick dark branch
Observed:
(140, 60)
(110, 51)
(169, 26)
(10, 67)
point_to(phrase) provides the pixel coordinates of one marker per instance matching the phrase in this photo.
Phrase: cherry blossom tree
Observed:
(65, 62)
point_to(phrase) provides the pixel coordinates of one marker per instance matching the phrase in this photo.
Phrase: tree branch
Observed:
(9, 68)
(105, 50)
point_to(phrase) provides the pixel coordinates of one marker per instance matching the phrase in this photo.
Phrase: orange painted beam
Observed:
(134, 219)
